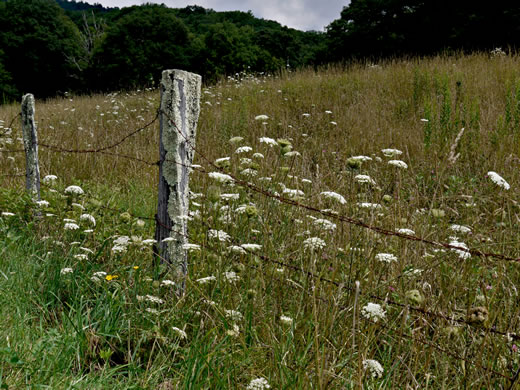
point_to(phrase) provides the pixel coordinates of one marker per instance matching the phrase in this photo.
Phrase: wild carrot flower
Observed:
(49, 179)
(74, 190)
(463, 254)
(286, 320)
(460, 228)
(89, 218)
(180, 333)
(269, 141)
(258, 384)
(364, 179)
(221, 177)
(233, 314)
(324, 224)
(218, 234)
(65, 271)
(386, 257)
(334, 195)
(373, 311)
(206, 280)
(391, 152)
(231, 277)
(71, 226)
(498, 180)
(243, 149)
(374, 367)
(235, 332)
(261, 117)
(409, 232)
(314, 243)
(398, 164)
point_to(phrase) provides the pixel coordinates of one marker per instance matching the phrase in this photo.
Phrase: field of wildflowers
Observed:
(344, 233)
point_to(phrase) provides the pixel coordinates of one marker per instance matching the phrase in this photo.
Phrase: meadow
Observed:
(364, 241)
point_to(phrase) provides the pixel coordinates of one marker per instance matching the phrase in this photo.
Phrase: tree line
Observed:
(48, 47)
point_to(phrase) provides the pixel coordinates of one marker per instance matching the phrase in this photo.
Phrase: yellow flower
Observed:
(110, 277)
(136, 267)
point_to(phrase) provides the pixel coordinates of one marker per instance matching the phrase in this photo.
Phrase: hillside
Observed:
(364, 241)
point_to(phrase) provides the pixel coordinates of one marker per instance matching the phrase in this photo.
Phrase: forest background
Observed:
(52, 47)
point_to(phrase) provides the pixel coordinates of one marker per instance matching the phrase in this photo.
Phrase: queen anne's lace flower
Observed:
(386, 257)
(374, 367)
(373, 311)
(314, 243)
(398, 164)
(498, 180)
(334, 195)
(258, 384)
(74, 190)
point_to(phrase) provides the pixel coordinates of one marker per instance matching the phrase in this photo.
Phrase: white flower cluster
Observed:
(325, 224)
(398, 164)
(334, 195)
(218, 234)
(391, 152)
(269, 141)
(314, 243)
(221, 177)
(498, 180)
(386, 257)
(409, 232)
(463, 254)
(258, 384)
(364, 179)
(460, 228)
(243, 149)
(74, 190)
(374, 367)
(373, 311)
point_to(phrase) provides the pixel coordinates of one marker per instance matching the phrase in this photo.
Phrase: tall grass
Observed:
(284, 310)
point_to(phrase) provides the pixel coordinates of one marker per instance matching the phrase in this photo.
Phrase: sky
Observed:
(299, 14)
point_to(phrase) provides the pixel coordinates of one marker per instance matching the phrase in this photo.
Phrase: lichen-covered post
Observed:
(180, 107)
(30, 143)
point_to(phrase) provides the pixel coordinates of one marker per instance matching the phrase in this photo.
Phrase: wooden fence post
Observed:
(30, 143)
(180, 107)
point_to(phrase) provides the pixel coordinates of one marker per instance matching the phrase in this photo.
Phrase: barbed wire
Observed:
(102, 148)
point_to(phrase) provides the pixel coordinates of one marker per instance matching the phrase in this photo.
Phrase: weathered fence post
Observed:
(180, 106)
(30, 143)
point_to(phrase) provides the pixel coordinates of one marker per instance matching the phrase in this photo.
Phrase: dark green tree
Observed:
(144, 41)
(38, 41)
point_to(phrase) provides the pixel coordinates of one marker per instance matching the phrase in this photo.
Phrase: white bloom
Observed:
(119, 249)
(361, 158)
(69, 220)
(243, 149)
(98, 276)
(292, 193)
(42, 203)
(222, 159)
(237, 249)
(167, 282)
(461, 252)
(74, 190)
(460, 229)
(398, 164)
(385, 257)
(49, 179)
(364, 179)
(410, 232)
(258, 155)
(233, 314)
(191, 247)
(391, 152)
(122, 240)
(306, 115)
(269, 141)
(235, 332)
(168, 239)
(498, 180)
(79, 206)
(371, 206)
(149, 298)
(148, 241)
(292, 153)
(258, 384)
(89, 218)
(206, 280)
(306, 181)
(325, 224)
(373, 311)
(218, 234)
(261, 118)
(230, 196)
(249, 172)
(7, 214)
(221, 177)
(71, 226)
(231, 276)
(180, 333)
(81, 256)
(313, 243)
(374, 367)
(65, 271)
(251, 247)
(286, 320)
(333, 195)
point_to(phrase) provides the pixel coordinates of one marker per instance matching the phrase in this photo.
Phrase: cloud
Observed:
(299, 14)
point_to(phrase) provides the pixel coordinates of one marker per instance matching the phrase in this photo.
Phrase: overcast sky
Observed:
(299, 14)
